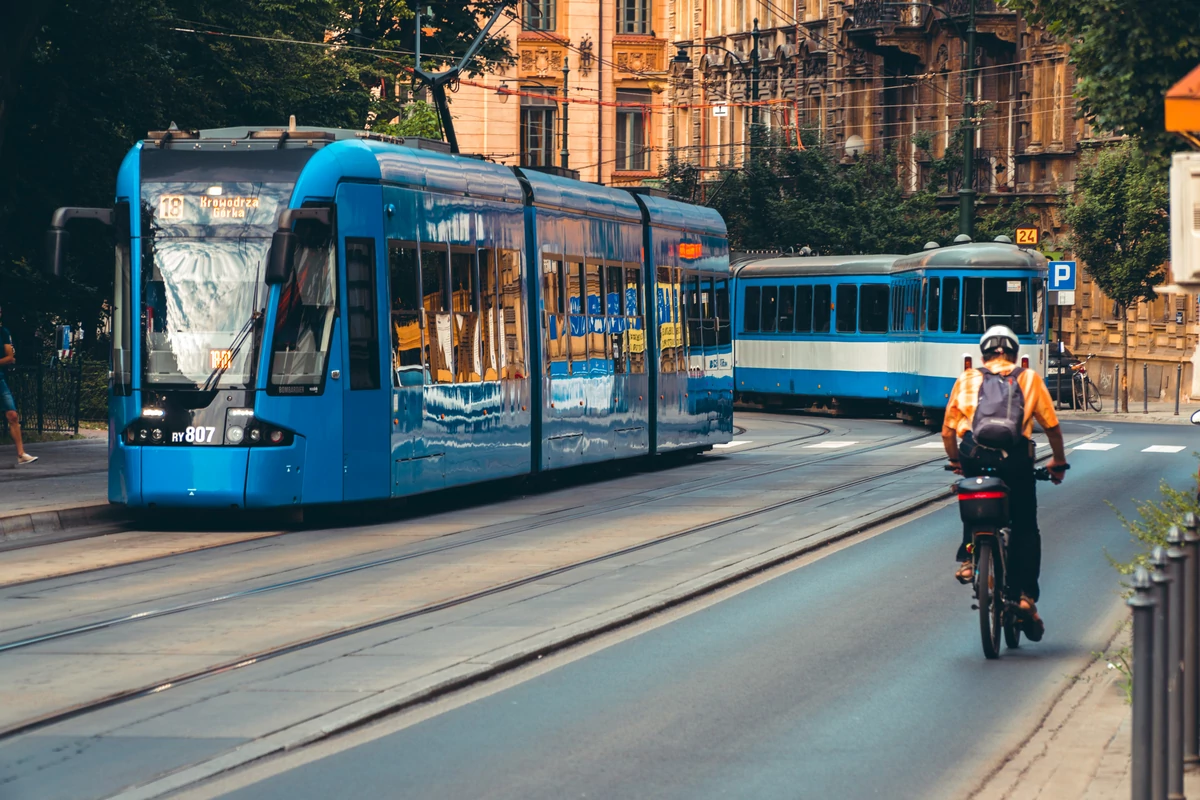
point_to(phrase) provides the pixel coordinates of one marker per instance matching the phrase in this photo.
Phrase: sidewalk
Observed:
(1082, 749)
(67, 487)
(1159, 413)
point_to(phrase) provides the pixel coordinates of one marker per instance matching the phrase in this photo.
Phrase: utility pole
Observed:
(754, 78)
(966, 188)
(562, 154)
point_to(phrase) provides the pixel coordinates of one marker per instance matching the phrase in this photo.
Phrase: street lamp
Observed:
(562, 154)
(681, 59)
(503, 91)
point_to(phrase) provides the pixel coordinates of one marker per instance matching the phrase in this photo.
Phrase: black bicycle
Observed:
(983, 507)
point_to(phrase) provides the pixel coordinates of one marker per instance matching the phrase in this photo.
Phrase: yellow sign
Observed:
(1027, 237)
(689, 250)
(220, 359)
(637, 341)
(227, 207)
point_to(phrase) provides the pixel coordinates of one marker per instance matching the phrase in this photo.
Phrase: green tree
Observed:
(1127, 53)
(418, 118)
(1120, 229)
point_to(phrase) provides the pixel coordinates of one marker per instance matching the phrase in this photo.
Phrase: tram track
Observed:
(508, 529)
(623, 469)
(391, 619)
(267, 654)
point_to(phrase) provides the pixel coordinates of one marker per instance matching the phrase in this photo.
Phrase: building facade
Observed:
(653, 79)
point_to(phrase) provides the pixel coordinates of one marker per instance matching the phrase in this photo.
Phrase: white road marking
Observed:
(1163, 448)
(829, 445)
(928, 446)
(734, 443)
(1096, 446)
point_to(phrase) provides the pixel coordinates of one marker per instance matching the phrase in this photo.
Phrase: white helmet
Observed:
(999, 337)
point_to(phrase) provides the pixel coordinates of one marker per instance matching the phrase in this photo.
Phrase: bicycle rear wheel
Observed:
(1012, 631)
(989, 598)
(1093, 396)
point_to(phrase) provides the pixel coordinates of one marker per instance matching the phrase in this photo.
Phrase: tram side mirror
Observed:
(56, 251)
(279, 262)
(1196, 417)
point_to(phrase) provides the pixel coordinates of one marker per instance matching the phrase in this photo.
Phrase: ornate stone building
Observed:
(653, 78)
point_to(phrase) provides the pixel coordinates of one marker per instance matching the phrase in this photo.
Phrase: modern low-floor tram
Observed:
(317, 316)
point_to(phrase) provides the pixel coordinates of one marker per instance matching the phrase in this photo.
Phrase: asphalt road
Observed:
(858, 675)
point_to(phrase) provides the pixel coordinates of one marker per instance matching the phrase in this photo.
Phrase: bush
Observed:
(1155, 518)
(93, 392)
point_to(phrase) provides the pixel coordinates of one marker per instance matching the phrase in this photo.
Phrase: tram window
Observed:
(464, 318)
(751, 308)
(364, 323)
(488, 315)
(439, 336)
(304, 320)
(433, 278)
(554, 296)
(512, 349)
(597, 344)
(822, 306)
(950, 305)
(615, 286)
(787, 309)
(721, 296)
(1037, 297)
(694, 321)
(873, 308)
(576, 321)
(635, 308)
(770, 305)
(933, 302)
(995, 301)
(846, 311)
(406, 314)
(804, 309)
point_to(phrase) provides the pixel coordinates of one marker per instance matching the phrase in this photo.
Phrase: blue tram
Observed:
(882, 330)
(311, 316)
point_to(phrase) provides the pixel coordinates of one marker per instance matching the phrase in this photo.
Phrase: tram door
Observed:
(366, 402)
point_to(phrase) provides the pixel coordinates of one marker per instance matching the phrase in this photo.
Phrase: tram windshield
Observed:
(995, 301)
(204, 252)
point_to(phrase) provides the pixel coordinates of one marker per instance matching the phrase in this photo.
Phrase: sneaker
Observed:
(25, 458)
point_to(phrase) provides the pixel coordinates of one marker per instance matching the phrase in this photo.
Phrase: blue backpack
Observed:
(1000, 413)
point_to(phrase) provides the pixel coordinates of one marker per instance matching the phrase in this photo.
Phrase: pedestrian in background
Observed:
(8, 357)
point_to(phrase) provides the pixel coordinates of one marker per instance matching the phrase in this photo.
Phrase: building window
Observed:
(538, 109)
(634, 16)
(631, 130)
(539, 15)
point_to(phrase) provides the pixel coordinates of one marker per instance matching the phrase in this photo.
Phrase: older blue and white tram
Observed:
(314, 316)
(829, 331)
(813, 330)
(943, 301)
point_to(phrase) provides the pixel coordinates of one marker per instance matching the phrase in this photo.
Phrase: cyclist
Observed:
(999, 348)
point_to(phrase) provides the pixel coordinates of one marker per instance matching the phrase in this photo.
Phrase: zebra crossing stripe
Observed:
(1163, 448)
(1096, 446)
(828, 445)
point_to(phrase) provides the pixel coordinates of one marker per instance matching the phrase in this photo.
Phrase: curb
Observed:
(50, 525)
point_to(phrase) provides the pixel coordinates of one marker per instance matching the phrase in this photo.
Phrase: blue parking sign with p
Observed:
(1062, 276)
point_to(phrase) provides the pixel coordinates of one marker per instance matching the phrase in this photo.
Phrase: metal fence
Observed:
(47, 396)
(1166, 660)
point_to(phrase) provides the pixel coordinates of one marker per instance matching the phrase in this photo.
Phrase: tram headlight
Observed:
(143, 434)
(156, 434)
(276, 436)
(234, 434)
(255, 435)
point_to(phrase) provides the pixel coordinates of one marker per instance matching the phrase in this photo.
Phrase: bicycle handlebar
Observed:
(1040, 474)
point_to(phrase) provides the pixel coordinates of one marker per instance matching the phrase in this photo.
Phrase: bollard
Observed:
(1176, 558)
(1143, 605)
(1178, 387)
(1117, 387)
(1145, 388)
(1058, 380)
(1191, 604)
(1158, 742)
